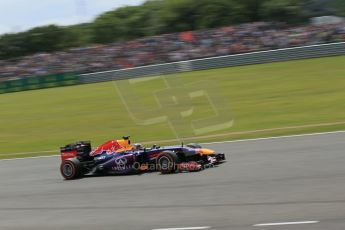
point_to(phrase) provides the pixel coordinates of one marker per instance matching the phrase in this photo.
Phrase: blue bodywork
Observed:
(130, 161)
(119, 157)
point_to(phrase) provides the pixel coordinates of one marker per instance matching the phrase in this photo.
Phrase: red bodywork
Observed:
(113, 146)
(68, 155)
(109, 146)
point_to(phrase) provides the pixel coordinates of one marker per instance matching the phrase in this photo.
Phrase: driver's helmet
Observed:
(138, 146)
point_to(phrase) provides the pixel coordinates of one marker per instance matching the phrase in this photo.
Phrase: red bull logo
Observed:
(108, 147)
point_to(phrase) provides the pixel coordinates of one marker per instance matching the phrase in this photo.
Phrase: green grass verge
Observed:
(339, 6)
(259, 97)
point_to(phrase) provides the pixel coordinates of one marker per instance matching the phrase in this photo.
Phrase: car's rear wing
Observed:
(80, 149)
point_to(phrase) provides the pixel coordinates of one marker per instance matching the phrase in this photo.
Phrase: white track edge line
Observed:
(286, 223)
(206, 143)
(23, 158)
(275, 137)
(184, 228)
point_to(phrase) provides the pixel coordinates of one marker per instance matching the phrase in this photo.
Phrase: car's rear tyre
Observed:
(71, 169)
(167, 162)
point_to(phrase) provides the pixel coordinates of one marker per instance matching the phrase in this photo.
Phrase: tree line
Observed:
(158, 17)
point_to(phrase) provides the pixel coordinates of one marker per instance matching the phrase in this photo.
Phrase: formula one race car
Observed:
(120, 157)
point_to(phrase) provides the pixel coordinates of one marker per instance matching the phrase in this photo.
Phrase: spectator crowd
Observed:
(172, 47)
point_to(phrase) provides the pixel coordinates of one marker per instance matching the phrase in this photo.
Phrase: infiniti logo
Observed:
(121, 161)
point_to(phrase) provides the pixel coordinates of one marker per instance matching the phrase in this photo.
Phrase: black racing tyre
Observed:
(167, 162)
(71, 169)
(194, 146)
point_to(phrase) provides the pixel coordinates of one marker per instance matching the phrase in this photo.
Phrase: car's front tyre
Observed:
(167, 162)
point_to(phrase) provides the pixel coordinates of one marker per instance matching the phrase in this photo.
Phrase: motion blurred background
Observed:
(166, 72)
(87, 37)
(160, 31)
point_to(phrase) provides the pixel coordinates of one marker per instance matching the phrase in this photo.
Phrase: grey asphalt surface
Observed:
(275, 180)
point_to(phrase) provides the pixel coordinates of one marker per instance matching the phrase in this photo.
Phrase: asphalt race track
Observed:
(266, 184)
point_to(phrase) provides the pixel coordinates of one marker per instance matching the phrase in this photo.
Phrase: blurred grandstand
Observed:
(172, 47)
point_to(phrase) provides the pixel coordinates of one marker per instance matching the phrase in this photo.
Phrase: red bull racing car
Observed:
(120, 157)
